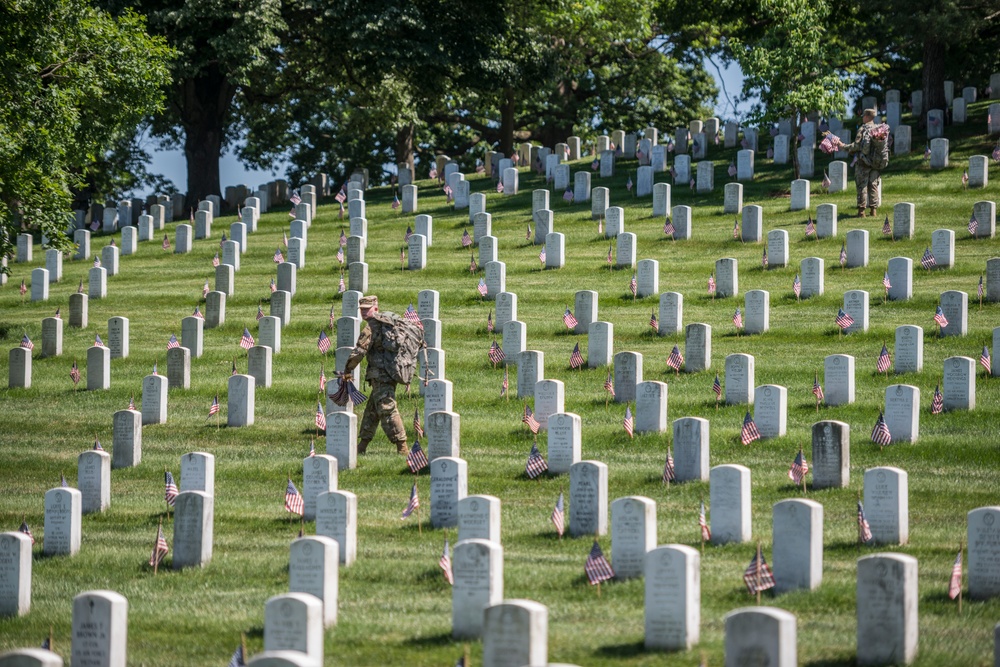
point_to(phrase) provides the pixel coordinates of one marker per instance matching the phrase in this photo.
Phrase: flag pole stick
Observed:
(758, 573)
(156, 543)
(420, 528)
(858, 522)
(960, 581)
(701, 532)
(803, 475)
(243, 644)
(52, 641)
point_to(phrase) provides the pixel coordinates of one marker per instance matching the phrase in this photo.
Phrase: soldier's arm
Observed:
(360, 350)
(855, 145)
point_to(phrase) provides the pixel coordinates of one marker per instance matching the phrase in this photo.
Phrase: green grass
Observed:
(394, 605)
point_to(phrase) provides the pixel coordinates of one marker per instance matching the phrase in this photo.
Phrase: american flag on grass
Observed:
(26, 343)
(939, 317)
(843, 254)
(341, 288)
(214, 408)
(278, 256)
(653, 323)
(97, 446)
(884, 361)
(413, 504)
(706, 532)
(668, 227)
(284, 238)
(160, 549)
(844, 320)
(215, 260)
(541, 257)
(205, 290)
(955, 583)
(499, 187)
(880, 433)
(864, 529)
(466, 239)
(481, 287)
(817, 389)
(197, 313)
(669, 474)
(973, 224)
(610, 258)
(927, 261)
(597, 567)
(473, 266)
(131, 403)
(749, 432)
(937, 402)
(246, 341)
(675, 359)
(170, 488)
(810, 227)
(797, 286)
(576, 357)
(495, 353)
(609, 385)
(633, 286)
(416, 423)
(445, 563)
(505, 383)
(558, 517)
(736, 229)
(886, 227)
(97, 260)
(717, 387)
(27, 531)
(568, 319)
(758, 576)
(711, 284)
(323, 344)
(490, 327)
(536, 464)
(295, 199)
(320, 417)
(172, 343)
(984, 360)
(166, 245)
(273, 286)
(260, 313)
(340, 255)
(416, 460)
(293, 499)
(763, 259)
(799, 468)
(24, 288)
(395, 201)
(628, 423)
(980, 294)
(74, 373)
(568, 195)
(738, 318)
(529, 419)
(343, 238)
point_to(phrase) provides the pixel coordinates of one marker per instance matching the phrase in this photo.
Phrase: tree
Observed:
(74, 83)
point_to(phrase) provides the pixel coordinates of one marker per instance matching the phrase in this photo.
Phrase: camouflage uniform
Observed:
(381, 405)
(868, 181)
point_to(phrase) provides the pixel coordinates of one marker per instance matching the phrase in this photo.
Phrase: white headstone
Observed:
(15, 575)
(729, 489)
(194, 522)
(959, 385)
(983, 532)
(313, 569)
(887, 598)
(448, 487)
(761, 636)
(902, 412)
(563, 442)
(241, 401)
(479, 518)
(672, 597)
(697, 347)
(887, 505)
(797, 550)
(93, 478)
(588, 498)
(770, 411)
(294, 622)
(515, 633)
(337, 519)
(831, 455)
(100, 629)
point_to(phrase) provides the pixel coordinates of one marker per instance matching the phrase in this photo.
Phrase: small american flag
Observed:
(26, 343)
(568, 195)
(395, 201)
(928, 260)
(799, 468)
(609, 385)
(413, 504)
(131, 402)
(481, 287)
(340, 255)
(536, 464)
(197, 313)
(732, 169)
(937, 402)
(222, 240)
(97, 446)
(955, 584)
(980, 286)
(312, 448)
(445, 564)
(333, 317)
(797, 286)
(278, 256)
(843, 254)
(706, 533)
(97, 260)
(717, 387)
(633, 286)
(160, 549)
(880, 434)
(668, 227)
(24, 288)
(628, 423)
(568, 319)
(826, 178)
(234, 367)
(669, 474)
(205, 290)
(215, 260)
(738, 318)
(260, 313)
(691, 183)
(595, 165)
(97, 341)
(496, 353)
(883, 361)
(79, 289)
(246, 341)
(763, 259)
(597, 567)
(155, 364)
(166, 243)
(74, 373)
(416, 460)
(505, 383)
(341, 288)
(749, 432)
(411, 315)
(711, 284)
(447, 192)
(170, 488)
(499, 187)
(886, 227)
(940, 318)
(273, 287)
(529, 419)
(885, 282)
(810, 227)
(736, 229)
(965, 174)
(558, 517)
(416, 423)
(214, 408)
(817, 389)
(541, 257)
(323, 343)
(527, 233)
(320, 417)
(27, 531)
(628, 184)
(343, 238)
(284, 238)
(758, 576)
(408, 234)
(490, 327)
(984, 360)
(675, 359)
(844, 320)
(576, 358)
(466, 238)
(654, 325)
(864, 530)
(172, 343)
(610, 258)
(293, 499)
(295, 199)
(473, 266)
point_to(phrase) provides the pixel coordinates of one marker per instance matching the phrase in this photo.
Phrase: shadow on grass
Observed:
(832, 662)
(441, 639)
(629, 650)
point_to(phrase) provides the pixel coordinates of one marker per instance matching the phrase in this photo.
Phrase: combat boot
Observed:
(363, 446)
(401, 448)
(861, 212)
(874, 211)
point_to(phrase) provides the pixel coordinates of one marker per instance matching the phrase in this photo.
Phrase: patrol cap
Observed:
(367, 302)
(870, 112)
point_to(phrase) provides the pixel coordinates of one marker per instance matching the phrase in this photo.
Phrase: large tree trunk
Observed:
(205, 102)
(404, 145)
(507, 122)
(933, 75)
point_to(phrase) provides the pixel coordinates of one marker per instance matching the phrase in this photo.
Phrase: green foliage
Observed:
(75, 83)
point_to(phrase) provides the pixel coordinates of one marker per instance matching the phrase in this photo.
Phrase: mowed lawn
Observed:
(395, 606)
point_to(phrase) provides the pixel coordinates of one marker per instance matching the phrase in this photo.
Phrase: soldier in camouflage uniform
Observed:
(867, 180)
(381, 406)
